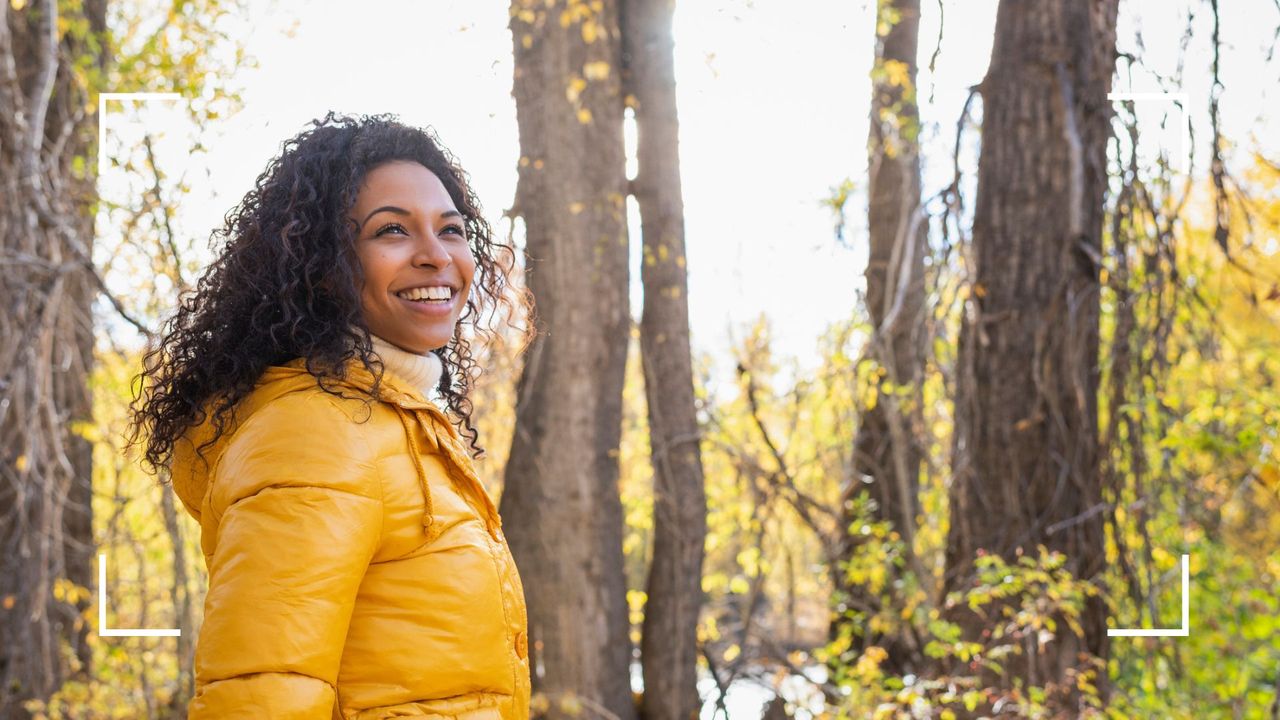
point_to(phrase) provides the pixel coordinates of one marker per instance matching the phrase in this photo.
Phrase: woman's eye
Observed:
(456, 229)
(385, 228)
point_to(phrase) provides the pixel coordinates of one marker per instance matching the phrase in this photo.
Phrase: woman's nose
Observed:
(431, 251)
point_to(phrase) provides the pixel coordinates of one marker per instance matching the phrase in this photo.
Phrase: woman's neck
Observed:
(421, 371)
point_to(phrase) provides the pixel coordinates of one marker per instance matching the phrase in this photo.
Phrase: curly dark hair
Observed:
(286, 284)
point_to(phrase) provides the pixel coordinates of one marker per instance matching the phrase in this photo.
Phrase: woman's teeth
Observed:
(438, 294)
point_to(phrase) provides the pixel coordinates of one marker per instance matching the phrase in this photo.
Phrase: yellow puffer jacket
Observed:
(357, 568)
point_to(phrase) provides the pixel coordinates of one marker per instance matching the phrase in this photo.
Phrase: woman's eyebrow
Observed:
(387, 208)
(402, 211)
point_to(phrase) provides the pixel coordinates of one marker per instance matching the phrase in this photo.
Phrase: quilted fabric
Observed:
(357, 567)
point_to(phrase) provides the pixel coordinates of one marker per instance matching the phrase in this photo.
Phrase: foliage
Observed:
(1195, 461)
(1025, 604)
(131, 677)
(1212, 490)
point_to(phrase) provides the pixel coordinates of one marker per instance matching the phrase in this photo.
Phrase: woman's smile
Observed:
(427, 302)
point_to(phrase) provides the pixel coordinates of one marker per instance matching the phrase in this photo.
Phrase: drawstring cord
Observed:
(428, 517)
(450, 449)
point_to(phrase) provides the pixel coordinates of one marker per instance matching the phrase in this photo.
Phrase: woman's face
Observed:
(412, 246)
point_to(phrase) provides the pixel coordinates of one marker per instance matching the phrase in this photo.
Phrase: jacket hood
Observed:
(191, 473)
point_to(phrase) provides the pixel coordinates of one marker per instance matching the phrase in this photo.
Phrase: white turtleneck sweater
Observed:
(421, 371)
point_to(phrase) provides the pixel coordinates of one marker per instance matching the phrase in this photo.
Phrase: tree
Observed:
(886, 454)
(668, 647)
(1026, 450)
(560, 500)
(49, 64)
(48, 326)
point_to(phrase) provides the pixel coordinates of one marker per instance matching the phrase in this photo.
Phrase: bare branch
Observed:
(46, 55)
(10, 90)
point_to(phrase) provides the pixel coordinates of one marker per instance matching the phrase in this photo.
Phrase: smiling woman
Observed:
(351, 548)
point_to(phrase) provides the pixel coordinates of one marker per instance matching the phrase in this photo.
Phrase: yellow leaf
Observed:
(1162, 557)
(732, 652)
(588, 32)
(896, 73)
(84, 429)
(574, 90)
(18, 4)
(584, 116)
(1269, 475)
(576, 207)
(598, 70)
(21, 463)
(526, 41)
(8, 599)
(570, 704)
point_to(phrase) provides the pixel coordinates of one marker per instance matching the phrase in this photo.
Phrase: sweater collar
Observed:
(422, 372)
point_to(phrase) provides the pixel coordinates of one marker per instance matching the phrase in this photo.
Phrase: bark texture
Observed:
(887, 454)
(668, 647)
(561, 505)
(46, 282)
(47, 287)
(1026, 453)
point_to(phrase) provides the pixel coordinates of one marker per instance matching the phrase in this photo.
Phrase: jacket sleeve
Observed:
(299, 510)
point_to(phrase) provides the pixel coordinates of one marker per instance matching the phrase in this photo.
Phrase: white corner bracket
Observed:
(105, 631)
(1183, 631)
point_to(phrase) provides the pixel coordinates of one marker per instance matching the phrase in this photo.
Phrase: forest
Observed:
(993, 431)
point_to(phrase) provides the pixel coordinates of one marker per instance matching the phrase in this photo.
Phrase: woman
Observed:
(357, 568)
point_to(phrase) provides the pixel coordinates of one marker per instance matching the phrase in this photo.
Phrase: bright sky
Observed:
(773, 98)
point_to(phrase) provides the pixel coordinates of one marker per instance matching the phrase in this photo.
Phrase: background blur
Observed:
(815, 599)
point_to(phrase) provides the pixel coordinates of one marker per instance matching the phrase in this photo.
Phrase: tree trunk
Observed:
(669, 647)
(887, 455)
(561, 505)
(180, 599)
(1026, 453)
(47, 132)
